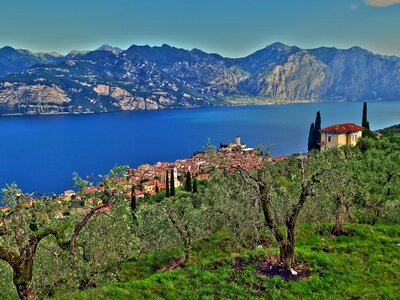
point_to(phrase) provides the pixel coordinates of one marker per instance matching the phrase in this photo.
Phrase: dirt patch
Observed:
(271, 267)
(215, 265)
(239, 263)
(176, 264)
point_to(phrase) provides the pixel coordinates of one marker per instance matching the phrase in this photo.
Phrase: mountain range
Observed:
(144, 77)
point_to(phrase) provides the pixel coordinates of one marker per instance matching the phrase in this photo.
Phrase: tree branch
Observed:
(9, 255)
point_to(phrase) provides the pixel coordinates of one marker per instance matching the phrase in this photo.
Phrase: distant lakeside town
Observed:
(148, 180)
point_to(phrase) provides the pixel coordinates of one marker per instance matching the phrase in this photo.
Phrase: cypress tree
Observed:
(157, 189)
(188, 184)
(133, 203)
(317, 134)
(166, 184)
(311, 137)
(172, 189)
(194, 186)
(364, 123)
(364, 116)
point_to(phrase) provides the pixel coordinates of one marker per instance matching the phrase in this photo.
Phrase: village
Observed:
(148, 180)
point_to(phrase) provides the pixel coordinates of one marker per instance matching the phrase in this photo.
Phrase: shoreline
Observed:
(230, 103)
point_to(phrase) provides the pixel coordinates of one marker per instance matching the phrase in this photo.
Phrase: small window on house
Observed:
(329, 138)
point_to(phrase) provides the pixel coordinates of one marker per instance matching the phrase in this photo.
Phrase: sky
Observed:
(232, 28)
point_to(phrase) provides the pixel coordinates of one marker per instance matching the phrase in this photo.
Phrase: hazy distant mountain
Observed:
(13, 60)
(143, 77)
(112, 49)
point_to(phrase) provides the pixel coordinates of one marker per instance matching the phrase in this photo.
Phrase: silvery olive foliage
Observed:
(175, 222)
(235, 208)
(53, 244)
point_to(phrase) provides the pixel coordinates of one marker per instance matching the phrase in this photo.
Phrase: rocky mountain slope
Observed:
(143, 77)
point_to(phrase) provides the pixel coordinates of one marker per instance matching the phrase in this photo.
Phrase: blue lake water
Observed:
(40, 153)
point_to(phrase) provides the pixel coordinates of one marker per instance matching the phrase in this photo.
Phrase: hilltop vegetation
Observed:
(394, 128)
(143, 77)
(323, 225)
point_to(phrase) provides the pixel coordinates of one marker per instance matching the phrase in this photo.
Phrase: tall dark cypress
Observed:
(317, 133)
(172, 189)
(311, 137)
(157, 189)
(188, 183)
(364, 116)
(367, 125)
(194, 186)
(133, 203)
(166, 184)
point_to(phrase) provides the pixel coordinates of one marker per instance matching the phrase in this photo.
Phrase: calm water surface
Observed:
(40, 153)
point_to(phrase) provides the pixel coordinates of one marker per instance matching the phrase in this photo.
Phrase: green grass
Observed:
(364, 265)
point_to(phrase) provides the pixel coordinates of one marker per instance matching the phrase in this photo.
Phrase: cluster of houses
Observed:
(149, 179)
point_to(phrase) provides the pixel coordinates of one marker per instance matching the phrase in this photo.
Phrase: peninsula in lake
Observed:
(143, 77)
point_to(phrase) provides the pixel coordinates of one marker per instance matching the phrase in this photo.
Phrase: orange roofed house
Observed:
(340, 135)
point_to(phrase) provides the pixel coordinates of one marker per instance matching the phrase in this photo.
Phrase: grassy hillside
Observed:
(362, 265)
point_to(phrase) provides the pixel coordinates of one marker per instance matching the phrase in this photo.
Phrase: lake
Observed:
(40, 153)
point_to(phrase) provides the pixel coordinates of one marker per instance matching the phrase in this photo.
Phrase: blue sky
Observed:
(230, 27)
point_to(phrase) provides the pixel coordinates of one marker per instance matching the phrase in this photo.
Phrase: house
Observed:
(4, 209)
(139, 194)
(149, 186)
(340, 135)
(202, 176)
(161, 186)
(69, 193)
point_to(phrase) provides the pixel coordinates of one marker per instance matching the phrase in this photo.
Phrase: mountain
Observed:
(112, 49)
(144, 77)
(13, 60)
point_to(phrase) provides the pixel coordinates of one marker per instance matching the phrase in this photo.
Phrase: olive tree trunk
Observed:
(23, 280)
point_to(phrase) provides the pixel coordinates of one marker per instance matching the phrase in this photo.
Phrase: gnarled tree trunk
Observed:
(23, 280)
(286, 248)
(339, 223)
(286, 255)
(26, 291)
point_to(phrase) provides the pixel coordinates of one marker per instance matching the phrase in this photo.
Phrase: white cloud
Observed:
(381, 3)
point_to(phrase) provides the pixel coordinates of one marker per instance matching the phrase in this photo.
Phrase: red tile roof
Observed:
(342, 128)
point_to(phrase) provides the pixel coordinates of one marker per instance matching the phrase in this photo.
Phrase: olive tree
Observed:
(188, 219)
(235, 211)
(379, 173)
(31, 222)
(282, 190)
(176, 220)
(342, 185)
